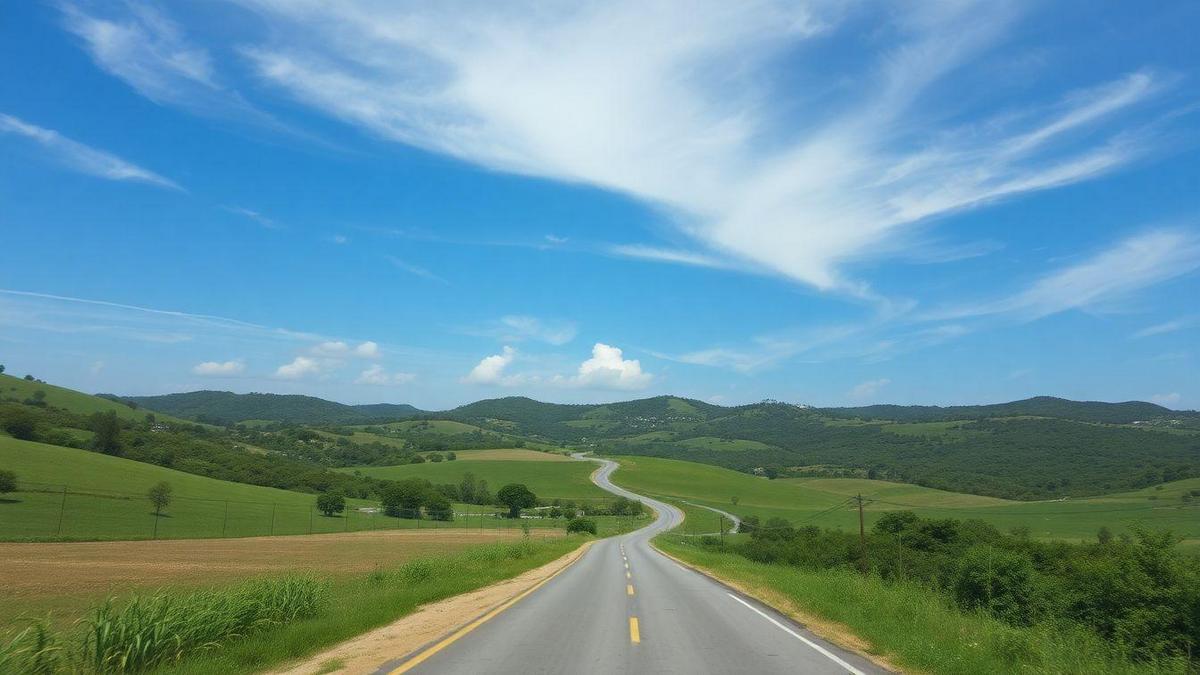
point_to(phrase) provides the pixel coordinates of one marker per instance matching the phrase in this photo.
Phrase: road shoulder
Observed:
(427, 626)
(830, 631)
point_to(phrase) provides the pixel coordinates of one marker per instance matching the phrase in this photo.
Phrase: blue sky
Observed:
(829, 203)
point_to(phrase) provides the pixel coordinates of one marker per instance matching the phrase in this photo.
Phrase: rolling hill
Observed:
(224, 407)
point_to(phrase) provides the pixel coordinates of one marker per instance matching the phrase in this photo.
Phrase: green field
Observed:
(548, 480)
(428, 426)
(822, 502)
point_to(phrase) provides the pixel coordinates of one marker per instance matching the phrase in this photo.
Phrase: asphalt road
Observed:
(625, 608)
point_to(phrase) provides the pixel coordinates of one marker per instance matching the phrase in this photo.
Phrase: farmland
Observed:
(32, 574)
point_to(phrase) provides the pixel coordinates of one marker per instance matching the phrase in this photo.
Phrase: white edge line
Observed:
(799, 637)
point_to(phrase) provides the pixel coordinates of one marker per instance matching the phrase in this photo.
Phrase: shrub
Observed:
(997, 581)
(438, 507)
(8, 481)
(20, 424)
(582, 525)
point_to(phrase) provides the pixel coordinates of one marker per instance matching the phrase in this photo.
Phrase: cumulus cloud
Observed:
(337, 349)
(491, 369)
(300, 367)
(608, 369)
(592, 93)
(219, 368)
(83, 158)
(867, 390)
(376, 375)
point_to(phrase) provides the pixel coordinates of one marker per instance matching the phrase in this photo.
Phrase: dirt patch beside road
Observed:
(67, 578)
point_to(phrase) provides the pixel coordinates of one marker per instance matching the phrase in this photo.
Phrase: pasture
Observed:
(550, 478)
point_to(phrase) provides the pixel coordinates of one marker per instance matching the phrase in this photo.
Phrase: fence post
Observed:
(310, 519)
(225, 519)
(62, 510)
(272, 519)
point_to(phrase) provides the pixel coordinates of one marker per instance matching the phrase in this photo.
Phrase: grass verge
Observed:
(909, 626)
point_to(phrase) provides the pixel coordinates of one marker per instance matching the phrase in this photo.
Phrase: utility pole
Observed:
(721, 524)
(862, 534)
(62, 510)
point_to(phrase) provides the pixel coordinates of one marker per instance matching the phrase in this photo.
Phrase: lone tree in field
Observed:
(160, 497)
(516, 497)
(403, 499)
(8, 481)
(331, 503)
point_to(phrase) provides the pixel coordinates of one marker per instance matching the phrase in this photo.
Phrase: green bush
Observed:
(999, 582)
(582, 525)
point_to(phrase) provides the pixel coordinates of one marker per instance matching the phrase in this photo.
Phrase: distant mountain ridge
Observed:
(1126, 412)
(225, 407)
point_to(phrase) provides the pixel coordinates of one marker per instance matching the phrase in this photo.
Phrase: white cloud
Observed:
(867, 390)
(515, 328)
(608, 369)
(593, 94)
(301, 366)
(667, 255)
(1109, 276)
(367, 350)
(414, 269)
(491, 369)
(255, 216)
(339, 239)
(1162, 328)
(1166, 400)
(337, 349)
(378, 376)
(82, 158)
(219, 368)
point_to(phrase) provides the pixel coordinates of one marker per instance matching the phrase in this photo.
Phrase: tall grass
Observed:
(917, 628)
(147, 632)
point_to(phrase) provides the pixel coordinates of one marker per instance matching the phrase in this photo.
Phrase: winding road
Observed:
(623, 607)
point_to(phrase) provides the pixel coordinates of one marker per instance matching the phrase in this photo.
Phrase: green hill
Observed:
(17, 389)
(549, 479)
(224, 407)
(1041, 406)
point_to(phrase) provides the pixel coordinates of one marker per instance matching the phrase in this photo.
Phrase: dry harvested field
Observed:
(68, 578)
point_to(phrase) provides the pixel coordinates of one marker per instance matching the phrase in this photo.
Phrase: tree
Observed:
(466, 488)
(20, 424)
(160, 497)
(581, 525)
(1104, 535)
(450, 456)
(1, 368)
(331, 503)
(403, 499)
(516, 497)
(482, 496)
(107, 430)
(438, 506)
(436, 457)
(8, 482)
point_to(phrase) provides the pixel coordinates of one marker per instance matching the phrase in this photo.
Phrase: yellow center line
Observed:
(628, 575)
(634, 635)
(629, 589)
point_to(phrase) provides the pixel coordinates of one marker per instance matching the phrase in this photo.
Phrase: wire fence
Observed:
(43, 511)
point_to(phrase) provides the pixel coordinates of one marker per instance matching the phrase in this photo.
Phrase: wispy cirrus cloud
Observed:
(416, 270)
(518, 327)
(83, 158)
(255, 216)
(1109, 276)
(141, 45)
(689, 124)
(1164, 327)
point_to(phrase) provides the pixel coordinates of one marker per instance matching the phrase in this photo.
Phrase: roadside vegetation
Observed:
(949, 595)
